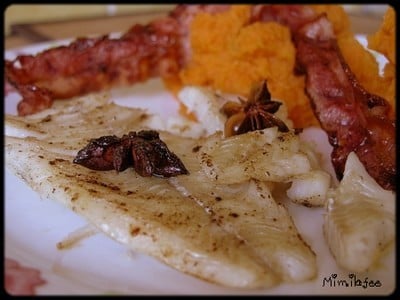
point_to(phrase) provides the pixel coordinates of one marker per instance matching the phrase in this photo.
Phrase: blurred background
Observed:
(24, 20)
(27, 24)
(19, 14)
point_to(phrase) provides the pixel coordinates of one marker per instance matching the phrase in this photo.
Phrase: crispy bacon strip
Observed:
(159, 48)
(92, 64)
(354, 119)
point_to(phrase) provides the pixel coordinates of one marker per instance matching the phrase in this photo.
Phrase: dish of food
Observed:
(220, 213)
(74, 258)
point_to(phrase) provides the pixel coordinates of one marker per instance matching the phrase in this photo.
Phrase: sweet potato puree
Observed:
(384, 42)
(231, 55)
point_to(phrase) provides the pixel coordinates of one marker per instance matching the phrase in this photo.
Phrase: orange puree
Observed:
(384, 42)
(384, 39)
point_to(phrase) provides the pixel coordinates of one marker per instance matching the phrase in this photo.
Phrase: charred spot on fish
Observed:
(234, 215)
(74, 197)
(46, 119)
(306, 203)
(143, 117)
(196, 149)
(281, 138)
(123, 208)
(218, 198)
(134, 231)
(96, 182)
(143, 150)
(214, 246)
(256, 113)
(56, 160)
(93, 191)
(209, 163)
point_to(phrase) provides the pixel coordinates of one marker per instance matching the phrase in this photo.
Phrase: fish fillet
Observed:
(227, 230)
(146, 214)
(247, 209)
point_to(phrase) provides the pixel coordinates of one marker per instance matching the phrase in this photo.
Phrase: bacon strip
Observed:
(93, 64)
(354, 119)
(159, 48)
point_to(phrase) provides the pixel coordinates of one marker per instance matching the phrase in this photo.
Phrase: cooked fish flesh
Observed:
(143, 213)
(359, 223)
(310, 189)
(266, 155)
(247, 209)
(69, 126)
(146, 214)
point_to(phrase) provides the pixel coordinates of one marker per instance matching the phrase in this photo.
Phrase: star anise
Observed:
(144, 151)
(254, 114)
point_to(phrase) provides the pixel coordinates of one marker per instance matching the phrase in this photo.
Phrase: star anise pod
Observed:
(143, 150)
(254, 114)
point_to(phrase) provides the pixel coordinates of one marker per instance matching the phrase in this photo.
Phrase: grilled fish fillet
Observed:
(246, 209)
(225, 229)
(146, 214)
(69, 127)
(359, 223)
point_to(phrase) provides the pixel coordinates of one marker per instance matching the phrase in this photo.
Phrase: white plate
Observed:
(98, 265)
